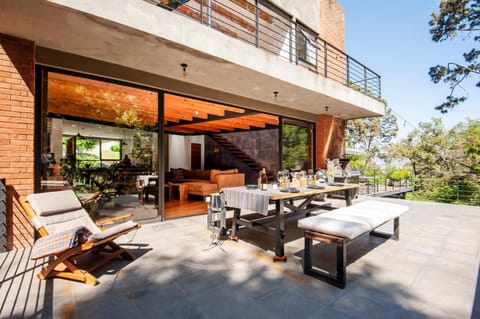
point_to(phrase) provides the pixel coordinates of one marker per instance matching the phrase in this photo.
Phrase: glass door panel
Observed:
(297, 145)
(101, 138)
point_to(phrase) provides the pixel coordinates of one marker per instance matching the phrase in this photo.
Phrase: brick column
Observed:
(330, 139)
(17, 81)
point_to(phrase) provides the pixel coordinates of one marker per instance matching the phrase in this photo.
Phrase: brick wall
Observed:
(330, 139)
(17, 80)
(332, 30)
(332, 23)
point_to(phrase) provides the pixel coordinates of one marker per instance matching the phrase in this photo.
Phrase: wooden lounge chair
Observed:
(54, 213)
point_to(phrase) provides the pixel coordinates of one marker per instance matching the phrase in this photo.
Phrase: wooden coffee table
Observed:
(177, 188)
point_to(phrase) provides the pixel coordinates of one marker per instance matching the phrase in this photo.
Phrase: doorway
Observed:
(196, 155)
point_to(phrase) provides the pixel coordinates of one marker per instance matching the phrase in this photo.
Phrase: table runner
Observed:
(253, 200)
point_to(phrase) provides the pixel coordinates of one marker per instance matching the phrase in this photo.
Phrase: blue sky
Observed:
(393, 39)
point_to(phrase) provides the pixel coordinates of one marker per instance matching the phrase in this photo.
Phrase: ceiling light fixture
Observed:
(184, 68)
(275, 94)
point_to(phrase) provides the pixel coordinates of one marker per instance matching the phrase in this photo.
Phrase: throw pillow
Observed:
(177, 173)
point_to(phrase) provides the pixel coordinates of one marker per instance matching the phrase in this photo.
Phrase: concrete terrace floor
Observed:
(430, 273)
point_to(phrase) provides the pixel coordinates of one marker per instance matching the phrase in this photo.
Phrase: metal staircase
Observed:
(237, 152)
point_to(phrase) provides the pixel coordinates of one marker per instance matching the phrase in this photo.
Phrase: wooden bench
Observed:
(343, 226)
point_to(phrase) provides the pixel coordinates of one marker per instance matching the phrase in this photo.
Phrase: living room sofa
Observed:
(205, 182)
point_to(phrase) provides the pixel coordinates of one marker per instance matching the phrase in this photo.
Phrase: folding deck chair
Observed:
(55, 213)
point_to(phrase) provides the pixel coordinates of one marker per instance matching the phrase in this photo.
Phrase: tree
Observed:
(294, 145)
(455, 17)
(446, 163)
(424, 148)
(372, 134)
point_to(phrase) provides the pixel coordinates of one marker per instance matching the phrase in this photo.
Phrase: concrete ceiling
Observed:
(143, 37)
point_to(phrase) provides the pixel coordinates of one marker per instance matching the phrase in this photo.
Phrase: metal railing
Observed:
(377, 186)
(466, 192)
(268, 27)
(3, 215)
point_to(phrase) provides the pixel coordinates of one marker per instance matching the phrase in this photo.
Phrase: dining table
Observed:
(272, 206)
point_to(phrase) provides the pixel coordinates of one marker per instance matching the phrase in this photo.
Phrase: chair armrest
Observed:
(114, 231)
(111, 220)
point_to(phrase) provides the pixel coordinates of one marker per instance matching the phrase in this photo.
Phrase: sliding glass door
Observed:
(101, 139)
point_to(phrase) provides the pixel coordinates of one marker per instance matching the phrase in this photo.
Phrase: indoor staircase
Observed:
(237, 152)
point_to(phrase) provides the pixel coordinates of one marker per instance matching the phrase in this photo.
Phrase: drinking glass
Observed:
(310, 172)
(279, 176)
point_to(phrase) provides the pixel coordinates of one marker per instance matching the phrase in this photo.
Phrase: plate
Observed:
(315, 187)
(252, 186)
(336, 184)
(289, 190)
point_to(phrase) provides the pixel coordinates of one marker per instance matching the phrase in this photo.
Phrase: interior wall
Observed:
(179, 150)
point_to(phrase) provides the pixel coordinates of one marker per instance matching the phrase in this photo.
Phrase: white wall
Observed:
(179, 150)
(307, 11)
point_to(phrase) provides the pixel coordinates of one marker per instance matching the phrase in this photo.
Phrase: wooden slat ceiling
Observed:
(86, 99)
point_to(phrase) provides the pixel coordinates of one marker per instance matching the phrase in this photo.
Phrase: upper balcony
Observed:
(236, 52)
(269, 28)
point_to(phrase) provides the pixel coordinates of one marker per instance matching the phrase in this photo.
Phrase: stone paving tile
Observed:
(431, 272)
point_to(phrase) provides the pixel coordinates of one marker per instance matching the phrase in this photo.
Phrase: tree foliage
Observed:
(446, 163)
(372, 134)
(294, 145)
(455, 17)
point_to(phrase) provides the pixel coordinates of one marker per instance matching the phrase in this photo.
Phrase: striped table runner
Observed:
(253, 200)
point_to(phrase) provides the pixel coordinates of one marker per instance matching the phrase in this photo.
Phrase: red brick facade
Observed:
(330, 139)
(332, 23)
(17, 81)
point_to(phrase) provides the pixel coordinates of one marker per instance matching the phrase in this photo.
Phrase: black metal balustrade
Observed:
(3, 216)
(268, 27)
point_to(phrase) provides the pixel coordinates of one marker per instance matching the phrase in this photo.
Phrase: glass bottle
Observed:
(259, 179)
(264, 179)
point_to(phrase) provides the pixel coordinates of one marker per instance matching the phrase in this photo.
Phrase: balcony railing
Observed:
(268, 27)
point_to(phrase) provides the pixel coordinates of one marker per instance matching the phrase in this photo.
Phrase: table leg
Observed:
(236, 216)
(280, 232)
(182, 192)
(348, 197)
(141, 196)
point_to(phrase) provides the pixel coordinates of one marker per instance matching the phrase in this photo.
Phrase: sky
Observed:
(393, 39)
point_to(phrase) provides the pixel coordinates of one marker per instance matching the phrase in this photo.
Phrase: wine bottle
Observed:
(264, 179)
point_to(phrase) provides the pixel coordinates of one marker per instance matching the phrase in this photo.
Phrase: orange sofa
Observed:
(205, 182)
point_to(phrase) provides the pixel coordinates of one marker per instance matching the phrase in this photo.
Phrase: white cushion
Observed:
(393, 210)
(373, 219)
(334, 226)
(352, 221)
(100, 235)
(67, 220)
(54, 202)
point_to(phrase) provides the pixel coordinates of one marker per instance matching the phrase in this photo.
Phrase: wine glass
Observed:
(310, 172)
(280, 178)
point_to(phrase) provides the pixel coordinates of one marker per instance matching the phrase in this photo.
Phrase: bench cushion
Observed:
(353, 221)
(334, 226)
(371, 218)
(393, 210)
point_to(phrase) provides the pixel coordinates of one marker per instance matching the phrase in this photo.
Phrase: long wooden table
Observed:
(286, 204)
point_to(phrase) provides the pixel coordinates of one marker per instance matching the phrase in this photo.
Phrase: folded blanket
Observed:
(60, 242)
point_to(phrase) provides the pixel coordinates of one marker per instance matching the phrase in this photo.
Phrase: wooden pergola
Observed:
(83, 99)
